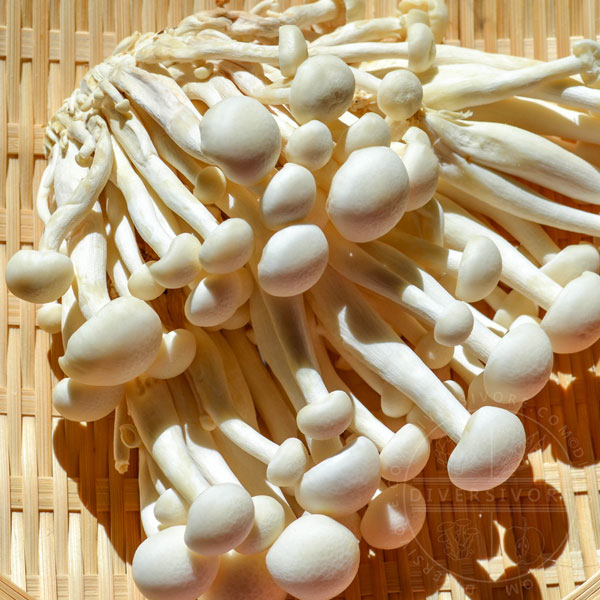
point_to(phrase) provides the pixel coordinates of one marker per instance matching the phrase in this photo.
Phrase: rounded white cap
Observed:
(519, 365)
(322, 89)
(79, 402)
(116, 345)
(370, 130)
(406, 454)
(242, 138)
(38, 276)
(343, 483)
(573, 321)
(454, 325)
(400, 94)
(216, 298)
(311, 145)
(228, 247)
(269, 522)
(244, 577)
(490, 449)
(163, 567)
(219, 519)
(177, 351)
(394, 517)
(368, 194)
(325, 419)
(315, 558)
(289, 196)
(293, 260)
(180, 264)
(479, 269)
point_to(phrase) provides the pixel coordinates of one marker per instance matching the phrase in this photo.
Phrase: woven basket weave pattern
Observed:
(69, 523)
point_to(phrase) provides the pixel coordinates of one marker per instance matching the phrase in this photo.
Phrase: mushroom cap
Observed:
(479, 269)
(216, 298)
(116, 345)
(171, 509)
(394, 403)
(311, 145)
(477, 397)
(573, 321)
(228, 247)
(322, 89)
(288, 463)
(394, 517)
(513, 306)
(244, 577)
(454, 325)
(180, 264)
(342, 483)
(77, 401)
(177, 351)
(142, 284)
(400, 94)
(406, 454)
(571, 262)
(368, 194)
(269, 522)
(219, 519)
(210, 185)
(293, 50)
(421, 47)
(241, 137)
(49, 317)
(163, 567)
(519, 365)
(293, 260)
(370, 130)
(315, 558)
(289, 196)
(490, 449)
(327, 418)
(38, 276)
(432, 353)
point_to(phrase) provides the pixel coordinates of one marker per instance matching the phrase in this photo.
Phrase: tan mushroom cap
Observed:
(394, 517)
(163, 567)
(116, 345)
(39, 276)
(315, 558)
(490, 449)
(343, 483)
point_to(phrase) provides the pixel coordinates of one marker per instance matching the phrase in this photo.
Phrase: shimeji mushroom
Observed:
(583, 327)
(499, 448)
(223, 171)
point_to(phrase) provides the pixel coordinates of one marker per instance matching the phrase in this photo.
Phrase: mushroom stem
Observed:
(151, 407)
(348, 317)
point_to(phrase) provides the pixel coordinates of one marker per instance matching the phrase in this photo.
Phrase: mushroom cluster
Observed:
(289, 249)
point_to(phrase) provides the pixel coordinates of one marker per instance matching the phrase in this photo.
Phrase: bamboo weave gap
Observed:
(69, 524)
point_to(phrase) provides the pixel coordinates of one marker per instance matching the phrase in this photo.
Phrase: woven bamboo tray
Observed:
(69, 524)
